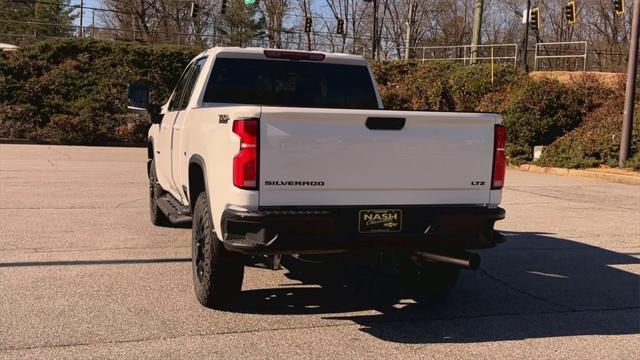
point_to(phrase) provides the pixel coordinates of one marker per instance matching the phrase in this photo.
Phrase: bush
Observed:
(539, 112)
(74, 91)
(596, 142)
(438, 86)
(634, 162)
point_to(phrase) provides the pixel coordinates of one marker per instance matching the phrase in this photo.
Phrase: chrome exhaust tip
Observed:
(464, 259)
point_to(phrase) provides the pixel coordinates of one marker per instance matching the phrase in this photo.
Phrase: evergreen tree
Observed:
(240, 24)
(54, 12)
(29, 19)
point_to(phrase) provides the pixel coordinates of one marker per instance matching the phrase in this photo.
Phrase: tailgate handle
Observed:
(385, 123)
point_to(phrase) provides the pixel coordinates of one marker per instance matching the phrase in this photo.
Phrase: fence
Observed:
(467, 54)
(560, 55)
(285, 39)
(546, 56)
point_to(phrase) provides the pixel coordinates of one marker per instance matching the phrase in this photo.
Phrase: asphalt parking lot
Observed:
(83, 273)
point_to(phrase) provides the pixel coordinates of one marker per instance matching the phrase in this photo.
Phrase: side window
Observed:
(174, 104)
(191, 82)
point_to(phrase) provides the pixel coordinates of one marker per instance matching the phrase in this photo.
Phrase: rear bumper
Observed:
(314, 229)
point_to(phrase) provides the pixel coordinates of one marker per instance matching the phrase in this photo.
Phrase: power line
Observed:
(75, 6)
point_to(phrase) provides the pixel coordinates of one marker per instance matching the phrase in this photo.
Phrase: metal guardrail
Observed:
(561, 54)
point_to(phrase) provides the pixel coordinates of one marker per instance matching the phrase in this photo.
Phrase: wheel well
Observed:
(149, 157)
(196, 183)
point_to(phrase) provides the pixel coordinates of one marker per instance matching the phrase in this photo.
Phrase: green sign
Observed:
(249, 2)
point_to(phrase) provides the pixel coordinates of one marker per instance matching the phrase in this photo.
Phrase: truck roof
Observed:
(259, 53)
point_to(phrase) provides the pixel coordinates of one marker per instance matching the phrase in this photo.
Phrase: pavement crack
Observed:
(555, 197)
(524, 292)
(66, 156)
(128, 202)
(310, 327)
(53, 165)
(53, 250)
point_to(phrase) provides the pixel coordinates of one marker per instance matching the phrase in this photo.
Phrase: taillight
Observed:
(499, 157)
(245, 164)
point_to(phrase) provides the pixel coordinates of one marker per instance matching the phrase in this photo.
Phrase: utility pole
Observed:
(374, 45)
(632, 73)
(306, 16)
(93, 24)
(407, 51)
(375, 29)
(81, 18)
(477, 30)
(526, 37)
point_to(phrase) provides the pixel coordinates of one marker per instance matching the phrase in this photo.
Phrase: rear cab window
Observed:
(290, 84)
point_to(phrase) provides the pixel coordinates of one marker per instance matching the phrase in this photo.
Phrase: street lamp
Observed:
(375, 27)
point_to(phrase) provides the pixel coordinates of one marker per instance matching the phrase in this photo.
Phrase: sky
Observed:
(87, 13)
(98, 4)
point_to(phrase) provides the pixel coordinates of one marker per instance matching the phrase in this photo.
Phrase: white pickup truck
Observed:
(272, 152)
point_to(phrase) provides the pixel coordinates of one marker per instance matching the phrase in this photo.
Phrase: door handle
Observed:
(385, 123)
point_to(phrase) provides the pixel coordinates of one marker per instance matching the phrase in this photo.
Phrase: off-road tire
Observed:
(155, 191)
(217, 273)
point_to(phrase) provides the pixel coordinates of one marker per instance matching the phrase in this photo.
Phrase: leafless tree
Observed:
(274, 13)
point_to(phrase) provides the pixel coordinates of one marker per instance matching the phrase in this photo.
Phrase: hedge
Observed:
(535, 111)
(74, 91)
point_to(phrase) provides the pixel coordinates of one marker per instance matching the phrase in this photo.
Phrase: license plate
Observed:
(380, 220)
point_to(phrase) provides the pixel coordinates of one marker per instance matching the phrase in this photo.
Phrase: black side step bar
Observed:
(175, 211)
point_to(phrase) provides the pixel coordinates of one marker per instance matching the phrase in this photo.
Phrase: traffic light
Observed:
(307, 24)
(195, 9)
(223, 7)
(618, 6)
(570, 12)
(340, 27)
(534, 19)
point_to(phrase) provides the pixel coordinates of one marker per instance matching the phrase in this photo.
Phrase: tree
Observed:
(56, 12)
(162, 21)
(274, 12)
(305, 8)
(31, 19)
(352, 12)
(238, 26)
(136, 20)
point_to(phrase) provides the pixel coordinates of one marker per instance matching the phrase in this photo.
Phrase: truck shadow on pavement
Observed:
(534, 286)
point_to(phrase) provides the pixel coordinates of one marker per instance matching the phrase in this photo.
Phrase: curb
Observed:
(51, 142)
(612, 175)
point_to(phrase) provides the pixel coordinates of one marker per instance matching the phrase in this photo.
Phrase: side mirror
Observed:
(138, 95)
(155, 113)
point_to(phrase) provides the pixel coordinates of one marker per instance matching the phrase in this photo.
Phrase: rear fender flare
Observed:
(199, 160)
(150, 155)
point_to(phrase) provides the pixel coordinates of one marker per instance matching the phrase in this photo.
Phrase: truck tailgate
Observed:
(328, 157)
